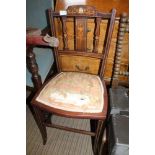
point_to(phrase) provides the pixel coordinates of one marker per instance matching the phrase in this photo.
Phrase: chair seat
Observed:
(74, 92)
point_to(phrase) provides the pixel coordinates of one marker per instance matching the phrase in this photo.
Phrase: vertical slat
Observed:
(97, 34)
(64, 29)
(108, 41)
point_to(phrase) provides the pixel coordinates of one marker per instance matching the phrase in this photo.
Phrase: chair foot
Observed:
(44, 140)
(40, 122)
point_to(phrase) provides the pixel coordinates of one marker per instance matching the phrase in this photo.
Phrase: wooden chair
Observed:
(75, 92)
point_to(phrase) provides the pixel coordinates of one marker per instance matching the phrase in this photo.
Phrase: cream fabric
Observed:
(73, 91)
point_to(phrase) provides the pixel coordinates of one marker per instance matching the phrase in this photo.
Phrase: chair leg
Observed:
(40, 122)
(47, 117)
(93, 125)
(98, 135)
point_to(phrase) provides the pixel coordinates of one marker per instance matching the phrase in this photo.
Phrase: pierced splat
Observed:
(81, 34)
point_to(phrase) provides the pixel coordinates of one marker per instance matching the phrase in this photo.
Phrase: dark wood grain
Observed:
(70, 129)
(107, 42)
(33, 68)
(52, 26)
(39, 120)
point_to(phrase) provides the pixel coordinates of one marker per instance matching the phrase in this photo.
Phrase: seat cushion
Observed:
(75, 92)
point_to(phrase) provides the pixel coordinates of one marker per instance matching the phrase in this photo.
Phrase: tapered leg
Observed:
(40, 122)
(98, 135)
(93, 125)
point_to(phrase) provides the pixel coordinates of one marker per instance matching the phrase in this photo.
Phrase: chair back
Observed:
(73, 53)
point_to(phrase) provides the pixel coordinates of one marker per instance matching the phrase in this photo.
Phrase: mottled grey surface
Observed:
(119, 100)
(119, 135)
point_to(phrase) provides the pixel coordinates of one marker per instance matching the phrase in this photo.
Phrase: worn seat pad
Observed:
(75, 92)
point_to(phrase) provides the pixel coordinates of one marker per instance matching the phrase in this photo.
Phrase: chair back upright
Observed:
(71, 59)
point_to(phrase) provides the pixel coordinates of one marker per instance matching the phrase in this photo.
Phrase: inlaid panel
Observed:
(79, 63)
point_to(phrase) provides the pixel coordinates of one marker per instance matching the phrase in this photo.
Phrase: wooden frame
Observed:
(80, 13)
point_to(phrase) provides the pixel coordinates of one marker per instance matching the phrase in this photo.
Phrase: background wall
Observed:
(36, 17)
(36, 12)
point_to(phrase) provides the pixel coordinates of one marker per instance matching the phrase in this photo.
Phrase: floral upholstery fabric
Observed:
(72, 91)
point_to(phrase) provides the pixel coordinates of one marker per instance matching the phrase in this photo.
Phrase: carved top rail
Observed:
(81, 10)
